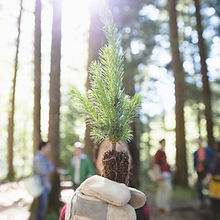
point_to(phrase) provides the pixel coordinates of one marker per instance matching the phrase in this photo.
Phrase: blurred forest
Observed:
(172, 58)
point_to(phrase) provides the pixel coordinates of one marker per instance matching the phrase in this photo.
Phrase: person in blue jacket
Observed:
(203, 158)
(43, 167)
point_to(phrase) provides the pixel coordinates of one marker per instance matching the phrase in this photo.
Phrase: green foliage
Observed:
(108, 109)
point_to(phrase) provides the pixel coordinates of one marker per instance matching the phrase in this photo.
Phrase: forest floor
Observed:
(15, 202)
(185, 205)
(182, 209)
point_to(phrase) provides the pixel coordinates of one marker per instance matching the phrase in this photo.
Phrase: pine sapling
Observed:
(107, 109)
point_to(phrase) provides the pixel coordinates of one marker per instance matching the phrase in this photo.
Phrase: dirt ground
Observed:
(181, 210)
(15, 202)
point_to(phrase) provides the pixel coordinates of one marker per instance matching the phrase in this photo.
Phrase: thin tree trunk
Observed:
(11, 172)
(205, 79)
(181, 174)
(54, 112)
(37, 75)
(96, 41)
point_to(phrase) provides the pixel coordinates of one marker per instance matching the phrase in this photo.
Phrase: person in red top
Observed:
(163, 196)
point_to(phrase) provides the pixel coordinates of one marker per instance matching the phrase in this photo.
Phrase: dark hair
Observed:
(162, 140)
(42, 144)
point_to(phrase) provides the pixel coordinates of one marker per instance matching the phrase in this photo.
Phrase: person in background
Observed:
(80, 167)
(213, 179)
(163, 195)
(43, 167)
(202, 160)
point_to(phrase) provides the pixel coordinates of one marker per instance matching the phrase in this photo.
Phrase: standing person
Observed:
(213, 178)
(80, 167)
(43, 167)
(202, 159)
(163, 196)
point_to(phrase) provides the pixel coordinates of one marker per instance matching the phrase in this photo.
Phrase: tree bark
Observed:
(54, 112)
(37, 90)
(135, 166)
(96, 41)
(11, 172)
(181, 174)
(205, 79)
(37, 75)
(129, 85)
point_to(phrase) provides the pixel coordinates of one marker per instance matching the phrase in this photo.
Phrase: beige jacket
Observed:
(99, 198)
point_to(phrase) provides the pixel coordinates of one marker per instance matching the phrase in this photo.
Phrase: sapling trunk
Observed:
(114, 146)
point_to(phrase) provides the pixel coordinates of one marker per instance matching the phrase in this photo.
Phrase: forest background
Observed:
(172, 58)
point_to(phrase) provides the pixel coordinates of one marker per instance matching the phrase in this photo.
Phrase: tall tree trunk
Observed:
(129, 85)
(96, 41)
(54, 112)
(181, 174)
(205, 80)
(37, 90)
(37, 75)
(11, 172)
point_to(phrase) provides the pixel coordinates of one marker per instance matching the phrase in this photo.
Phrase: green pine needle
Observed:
(107, 109)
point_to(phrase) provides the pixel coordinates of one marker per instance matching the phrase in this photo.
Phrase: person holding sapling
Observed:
(109, 111)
